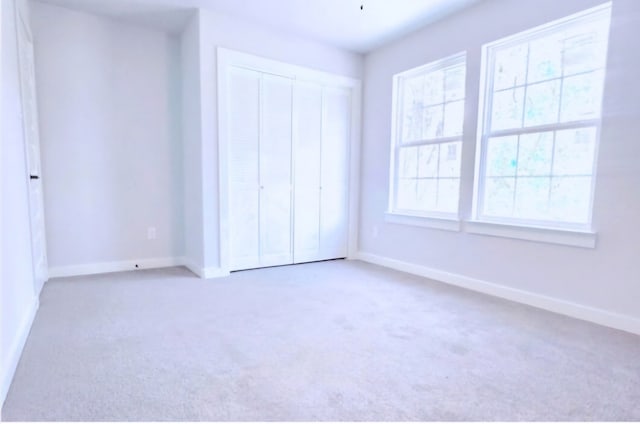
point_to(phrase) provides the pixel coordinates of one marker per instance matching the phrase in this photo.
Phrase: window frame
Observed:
(487, 78)
(432, 219)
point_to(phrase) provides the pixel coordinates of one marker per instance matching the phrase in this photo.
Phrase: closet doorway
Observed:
(289, 141)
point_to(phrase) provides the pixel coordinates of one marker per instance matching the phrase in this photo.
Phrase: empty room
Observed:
(320, 210)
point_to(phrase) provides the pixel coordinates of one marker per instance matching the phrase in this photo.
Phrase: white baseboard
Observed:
(200, 271)
(215, 273)
(193, 267)
(132, 265)
(15, 351)
(574, 310)
(105, 267)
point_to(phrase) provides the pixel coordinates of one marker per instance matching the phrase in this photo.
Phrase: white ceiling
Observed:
(337, 22)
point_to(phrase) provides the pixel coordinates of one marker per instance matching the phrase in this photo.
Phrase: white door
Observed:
(288, 145)
(323, 124)
(260, 196)
(275, 171)
(308, 149)
(334, 186)
(244, 168)
(32, 140)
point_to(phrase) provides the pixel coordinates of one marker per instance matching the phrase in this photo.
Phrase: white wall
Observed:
(110, 120)
(606, 278)
(217, 30)
(191, 133)
(18, 299)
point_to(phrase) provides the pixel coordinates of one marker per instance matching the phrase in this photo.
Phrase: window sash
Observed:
(399, 143)
(428, 213)
(486, 131)
(479, 195)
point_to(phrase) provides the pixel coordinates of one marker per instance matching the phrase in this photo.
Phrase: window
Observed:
(427, 139)
(541, 121)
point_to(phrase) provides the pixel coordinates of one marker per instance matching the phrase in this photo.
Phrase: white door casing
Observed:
(32, 145)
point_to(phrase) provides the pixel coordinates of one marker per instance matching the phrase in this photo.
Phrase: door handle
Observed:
(34, 177)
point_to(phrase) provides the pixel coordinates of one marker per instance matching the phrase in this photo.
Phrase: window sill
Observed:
(575, 238)
(447, 224)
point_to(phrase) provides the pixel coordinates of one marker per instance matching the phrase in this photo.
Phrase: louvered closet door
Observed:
(275, 171)
(260, 172)
(244, 168)
(308, 148)
(322, 117)
(334, 191)
(288, 169)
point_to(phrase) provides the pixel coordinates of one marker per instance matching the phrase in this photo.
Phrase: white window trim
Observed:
(431, 219)
(553, 232)
(577, 238)
(426, 221)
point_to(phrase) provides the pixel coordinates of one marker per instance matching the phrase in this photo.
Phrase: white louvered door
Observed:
(260, 181)
(308, 149)
(288, 169)
(244, 168)
(334, 186)
(275, 171)
(322, 125)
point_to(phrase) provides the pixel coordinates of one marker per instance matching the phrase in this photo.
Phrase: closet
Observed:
(288, 138)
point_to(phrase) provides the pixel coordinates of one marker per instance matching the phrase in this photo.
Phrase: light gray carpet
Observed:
(327, 341)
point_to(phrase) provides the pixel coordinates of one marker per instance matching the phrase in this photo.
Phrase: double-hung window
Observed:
(540, 124)
(427, 139)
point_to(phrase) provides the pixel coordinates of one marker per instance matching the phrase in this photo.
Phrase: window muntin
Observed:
(543, 94)
(427, 142)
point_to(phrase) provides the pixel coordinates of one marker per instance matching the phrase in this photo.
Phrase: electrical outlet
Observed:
(374, 231)
(151, 233)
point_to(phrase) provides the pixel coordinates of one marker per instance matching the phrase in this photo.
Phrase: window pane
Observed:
(433, 122)
(542, 103)
(412, 108)
(408, 162)
(450, 159)
(434, 88)
(535, 154)
(448, 194)
(406, 195)
(413, 91)
(545, 60)
(501, 157)
(582, 97)
(453, 118)
(428, 161)
(498, 196)
(412, 126)
(510, 67)
(427, 194)
(585, 47)
(507, 109)
(532, 198)
(455, 83)
(574, 152)
(570, 199)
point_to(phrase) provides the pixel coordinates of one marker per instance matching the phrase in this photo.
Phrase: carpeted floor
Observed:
(326, 341)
